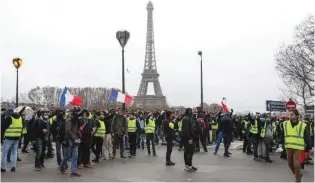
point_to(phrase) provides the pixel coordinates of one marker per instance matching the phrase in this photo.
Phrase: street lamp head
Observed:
(200, 53)
(122, 37)
(17, 62)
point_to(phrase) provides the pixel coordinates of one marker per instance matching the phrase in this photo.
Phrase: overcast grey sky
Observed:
(73, 43)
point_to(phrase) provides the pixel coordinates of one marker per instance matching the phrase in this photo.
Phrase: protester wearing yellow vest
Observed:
(169, 132)
(133, 126)
(13, 130)
(266, 135)
(254, 133)
(246, 144)
(150, 134)
(97, 139)
(214, 128)
(295, 138)
(180, 124)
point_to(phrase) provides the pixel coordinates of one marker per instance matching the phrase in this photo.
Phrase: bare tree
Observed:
(295, 64)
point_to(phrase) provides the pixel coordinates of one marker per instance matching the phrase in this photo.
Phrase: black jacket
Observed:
(188, 128)
(39, 125)
(168, 132)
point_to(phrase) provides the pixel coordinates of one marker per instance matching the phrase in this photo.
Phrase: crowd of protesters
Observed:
(78, 132)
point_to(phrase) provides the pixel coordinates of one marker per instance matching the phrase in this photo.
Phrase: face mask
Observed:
(46, 117)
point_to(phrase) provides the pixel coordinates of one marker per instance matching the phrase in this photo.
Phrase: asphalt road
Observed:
(238, 168)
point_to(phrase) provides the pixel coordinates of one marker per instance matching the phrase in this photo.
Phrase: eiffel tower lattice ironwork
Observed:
(150, 74)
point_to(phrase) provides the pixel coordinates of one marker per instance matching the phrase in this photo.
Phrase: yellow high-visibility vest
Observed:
(132, 127)
(263, 131)
(150, 127)
(100, 132)
(180, 124)
(90, 116)
(245, 126)
(294, 136)
(52, 119)
(214, 125)
(171, 125)
(24, 131)
(254, 129)
(15, 129)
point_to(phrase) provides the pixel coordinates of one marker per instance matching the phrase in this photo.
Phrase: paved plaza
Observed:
(239, 168)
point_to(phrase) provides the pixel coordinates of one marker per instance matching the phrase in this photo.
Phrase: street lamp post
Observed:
(17, 62)
(201, 82)
(122, 37)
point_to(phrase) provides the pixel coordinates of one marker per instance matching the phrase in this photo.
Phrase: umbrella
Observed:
(28, 111)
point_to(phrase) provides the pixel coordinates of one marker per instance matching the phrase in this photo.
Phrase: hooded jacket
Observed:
(8, 121)
(188, 127)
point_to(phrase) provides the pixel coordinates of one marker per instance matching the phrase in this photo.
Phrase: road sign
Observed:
(309, 109)
(275, 106)
(290, 105)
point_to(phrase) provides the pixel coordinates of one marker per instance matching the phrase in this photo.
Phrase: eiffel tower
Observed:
(150, 73)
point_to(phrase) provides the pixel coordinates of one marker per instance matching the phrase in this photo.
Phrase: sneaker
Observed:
(19, 159)
(3, 170)
(179, 149)
(154, 155)
(13, 169)
(95, 160)
(63, 171)
(194, 168)
(122, 156)
(189, 169)
(256, 158)
(268, 160)
(87, 166)
(76, 174)
(149, 155)
(42, 166)
(214, 153)
(169, 164)
(226, 155)
(130, 156)
(38, 169)
(80, 166)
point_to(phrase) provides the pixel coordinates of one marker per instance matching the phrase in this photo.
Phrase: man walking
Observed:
(119, 129)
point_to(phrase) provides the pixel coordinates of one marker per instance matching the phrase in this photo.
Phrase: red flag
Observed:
(225, 109)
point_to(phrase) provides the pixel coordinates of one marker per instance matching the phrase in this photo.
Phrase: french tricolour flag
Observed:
(67, 98)
(117, 96)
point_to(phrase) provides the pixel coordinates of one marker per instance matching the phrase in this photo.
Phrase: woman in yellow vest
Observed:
(97, 139)
(133, 127)
(295, 137)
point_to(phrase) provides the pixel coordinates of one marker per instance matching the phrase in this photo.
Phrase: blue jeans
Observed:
(7, 145)
(70, 152)
(220, 137)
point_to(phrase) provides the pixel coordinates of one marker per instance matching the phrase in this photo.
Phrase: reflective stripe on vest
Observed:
(15, 129)
(245, 126)
(52, 119)
(294, 136)
(254, 129)
(132, 125)
(214, 125)
(100, 132)
(180, 123)
(150, 127)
